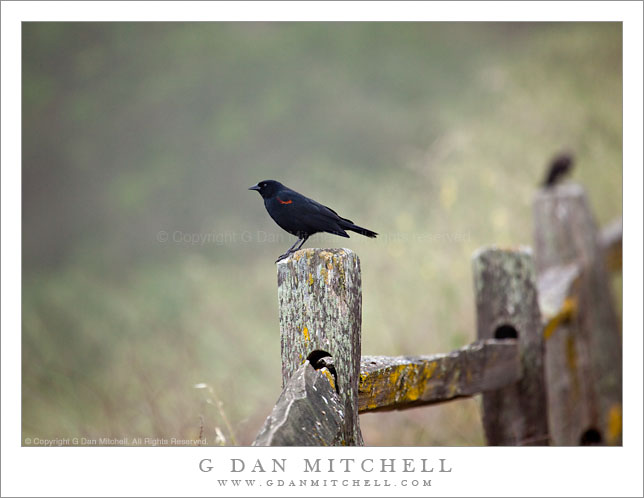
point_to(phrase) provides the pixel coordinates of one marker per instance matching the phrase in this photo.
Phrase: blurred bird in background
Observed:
(559, 167)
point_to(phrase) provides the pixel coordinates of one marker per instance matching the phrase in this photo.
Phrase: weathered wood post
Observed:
(584, 352)
(307, 413)
(610, 241)
(507, 308)
(320, 311)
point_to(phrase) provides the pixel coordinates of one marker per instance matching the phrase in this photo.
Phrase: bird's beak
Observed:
(254, 187)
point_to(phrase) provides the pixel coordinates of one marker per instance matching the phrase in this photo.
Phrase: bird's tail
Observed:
(362, 231)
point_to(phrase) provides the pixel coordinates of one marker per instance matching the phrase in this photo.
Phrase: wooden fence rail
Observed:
(399, 382)
(547, 360)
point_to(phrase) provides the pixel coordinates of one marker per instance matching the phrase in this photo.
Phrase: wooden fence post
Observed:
(507, 307)
(307, 413)
(583, 352)
(320, 310)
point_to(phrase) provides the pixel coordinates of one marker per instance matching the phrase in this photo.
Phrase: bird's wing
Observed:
(326, 210)
(320, 209)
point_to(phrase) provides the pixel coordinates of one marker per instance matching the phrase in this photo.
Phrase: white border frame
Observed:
(174, 472)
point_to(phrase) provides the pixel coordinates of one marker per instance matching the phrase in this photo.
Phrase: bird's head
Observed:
(267, 188)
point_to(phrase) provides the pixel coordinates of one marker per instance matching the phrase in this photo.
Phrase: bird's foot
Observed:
(283, 256)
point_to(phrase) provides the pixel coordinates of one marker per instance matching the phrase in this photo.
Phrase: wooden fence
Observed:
(547, 360)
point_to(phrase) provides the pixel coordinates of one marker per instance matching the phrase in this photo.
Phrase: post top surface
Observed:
(520, 250)
(311, 254)
(563, 190)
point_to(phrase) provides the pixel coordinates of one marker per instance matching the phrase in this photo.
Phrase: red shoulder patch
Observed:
(284, 202)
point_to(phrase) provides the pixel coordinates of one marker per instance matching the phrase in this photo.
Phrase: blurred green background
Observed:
(433, 135)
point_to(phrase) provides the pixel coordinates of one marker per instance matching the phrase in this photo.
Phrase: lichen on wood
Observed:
(400, 382)
(320, 309)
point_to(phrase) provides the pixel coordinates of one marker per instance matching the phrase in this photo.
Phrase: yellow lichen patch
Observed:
(411, 380)
(371, 405)
(567, 311)
(311, 280)
(329, 376)
(411, 387)
(614, 429)
(431, 369)
(305, 333)
(395, 385)
(326, 256)
(382, 381)
(307, 253)
(415, 381)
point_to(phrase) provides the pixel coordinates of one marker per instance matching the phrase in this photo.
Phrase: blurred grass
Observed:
(413, 130)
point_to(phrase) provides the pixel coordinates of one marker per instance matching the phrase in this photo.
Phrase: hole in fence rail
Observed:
(321, 359)
(592, 437)
(314, 358)
(506, 331)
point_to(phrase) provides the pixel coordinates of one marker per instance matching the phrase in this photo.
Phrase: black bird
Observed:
(301, 216)
(559, 167)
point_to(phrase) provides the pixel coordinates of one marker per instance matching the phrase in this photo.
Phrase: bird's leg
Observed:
(304, 239)
(286, 254)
